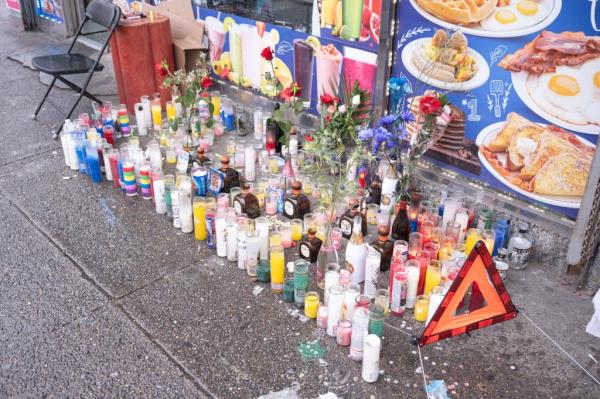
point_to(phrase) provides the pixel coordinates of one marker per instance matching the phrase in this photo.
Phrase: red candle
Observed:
(114, 169)
(423, 260)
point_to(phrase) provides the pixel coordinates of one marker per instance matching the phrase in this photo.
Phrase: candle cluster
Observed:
(257, 210)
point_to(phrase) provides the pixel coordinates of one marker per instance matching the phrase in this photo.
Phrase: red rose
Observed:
(328, 118)
(267, 53)
(162, 69)
(294, 90)
(327, 99)
(309, 138)
(206, 82)
(225, 73)
(429, 105)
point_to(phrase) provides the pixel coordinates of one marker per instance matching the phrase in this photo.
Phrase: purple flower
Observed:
(407, 116)
(366, 134)
(387, 121)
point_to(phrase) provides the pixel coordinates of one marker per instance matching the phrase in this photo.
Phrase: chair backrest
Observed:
(103, 13)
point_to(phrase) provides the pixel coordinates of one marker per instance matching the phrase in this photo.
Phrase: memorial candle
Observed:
(412, 284)
(232, 229)
(156, 113)
(433, 277)
(370, 364)
(360, 326)
(351, 291)
(435, 300)
(277, 262)
(199, 218)
(322, 317)
(221, 233)
(415, 244)
(261, 225)
(344, 332)
(421, 308)
(334, 308)
(158, 185)
(311, 304)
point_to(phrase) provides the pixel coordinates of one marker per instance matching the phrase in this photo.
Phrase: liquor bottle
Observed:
(373, 193)
(356, 253)
(347, 219)
(384, 246)
(232, 177)
(297, 203)
(201, 158)
(501, 263)
(246, 202)
(310, 246)
(401, 225)
(519, 248)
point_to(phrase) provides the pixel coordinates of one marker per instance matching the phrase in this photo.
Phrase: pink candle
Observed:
(322, 317)
(345, 277)
(415, 244)
(223, 201)
(344, 332)
(286, 237)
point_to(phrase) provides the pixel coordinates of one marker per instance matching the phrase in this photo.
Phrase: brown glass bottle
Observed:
(384, 246)
(246, 202)
(297, 203)
(374, 193)
(310, 245)
(401, 225)
(347, 219)
(232, 177)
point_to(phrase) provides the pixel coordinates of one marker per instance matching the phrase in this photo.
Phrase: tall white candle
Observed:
(175, 208)
(332, 277)
(73, 160)
(242, 242)
(450, 207)
(250, 162)
(412, 285)
(140, 119)
(372, 272)
(221, 235)
(147, 111)
(334, 308)
(370, 366)
(159, 196)
(187, 220)
(350, 293)
(435, 300)
(462, 218)
(262, 230)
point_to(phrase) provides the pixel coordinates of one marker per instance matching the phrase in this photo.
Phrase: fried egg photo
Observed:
(571, 94)
(517, 15)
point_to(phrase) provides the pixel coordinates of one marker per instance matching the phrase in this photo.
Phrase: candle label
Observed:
(182, 161)
(216, 181)
(289, 208)
(305, 251)
(201, 181)
(346, 227)
(398, 296)
(210, 230)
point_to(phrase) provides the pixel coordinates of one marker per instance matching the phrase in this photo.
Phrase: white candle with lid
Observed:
(371, 352)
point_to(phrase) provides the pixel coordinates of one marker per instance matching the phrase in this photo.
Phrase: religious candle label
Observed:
(216, 181)
(346, 227)
(182, 162)
(398, 300)
(305, 251)
(201, 181)
(289, 208)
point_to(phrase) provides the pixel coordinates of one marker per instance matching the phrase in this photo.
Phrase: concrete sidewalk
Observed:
(100, 297)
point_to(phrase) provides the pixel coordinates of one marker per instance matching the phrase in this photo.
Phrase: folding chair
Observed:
(104, 14)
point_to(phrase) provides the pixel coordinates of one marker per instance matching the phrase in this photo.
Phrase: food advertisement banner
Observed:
(50, 9)
(13, 5)
(523, 81)
(316, 63)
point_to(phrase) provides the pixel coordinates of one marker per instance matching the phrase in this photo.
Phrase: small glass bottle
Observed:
(246, 202)
(347, 219)
(501, 263)
(519, 248)
(310, 246)
(384, 246)
(401, 226)
(297, 203)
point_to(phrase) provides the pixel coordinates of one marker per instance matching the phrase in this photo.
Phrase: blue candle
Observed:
(81, 156)
(93, 162)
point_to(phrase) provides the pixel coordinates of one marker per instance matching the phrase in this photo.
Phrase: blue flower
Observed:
(366, 134)
(387, 121)
(407, 116)
(400, 85)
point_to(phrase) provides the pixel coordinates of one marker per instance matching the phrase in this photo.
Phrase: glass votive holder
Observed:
(322, 316)
(383, 218)
(263, 271)
(344, 332)
(275, 238)
(288, 290)
(431, 250)
(309, 221)
(271, 204)
(260, 196)
(311, 306)
(336, 238)
(382, 298)
(296, 226)
(230, 146)
(286, 236)
(421, 308)
(274, 166)
(415, 244)
(489, 237)
(223, 201)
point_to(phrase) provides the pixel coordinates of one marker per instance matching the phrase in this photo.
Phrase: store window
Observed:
(293, 14)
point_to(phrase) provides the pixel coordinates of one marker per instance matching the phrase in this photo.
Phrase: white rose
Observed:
(342, 109)
(356, 100)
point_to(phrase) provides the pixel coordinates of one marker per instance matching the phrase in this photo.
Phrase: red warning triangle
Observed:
(488, 302)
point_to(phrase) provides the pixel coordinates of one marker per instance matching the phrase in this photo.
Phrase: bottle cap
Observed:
(502, 252)
(225, 159)
(297, 185)
(353, 203)
(246, 186)
(311, 231)
(383, 230)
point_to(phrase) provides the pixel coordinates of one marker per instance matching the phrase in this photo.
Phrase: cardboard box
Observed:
(186, 32)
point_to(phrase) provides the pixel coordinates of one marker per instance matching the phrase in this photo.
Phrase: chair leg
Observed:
(39, 107)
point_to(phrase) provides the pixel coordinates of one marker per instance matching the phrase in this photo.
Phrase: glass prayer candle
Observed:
(263, 271)
(271, 204)
(431, 250)
(223, 201)
(383, 218)
(472, 238)
(300, 281)
(435, 300)
(200, 218)
(398, 292)
(351, 292)
(332, 277)
(274, 165)
(275, 238)
(450, 270)
(156, 113)
(433, 277)
(322, 232)
(296, 225)
(250, 162)
(427, 228)
(376, 320)
(459, 251)
(344, 332)
(489, 237)
(277, 262)
(336, 237)
(451, 206)
(423, 260)
(288, 290)
(334, 308)
(230, 146)
(144, 180)
(372, 214)
(362, 301)
(322, 317)
(171, 111)
(360, 327)
(453, 232)
(286, 236)
(251, 253)
(345, 277)
(462, 220)
(400, 253)
(382, 298)
(311, 304)
(309, 221)
(412, 284)
(232, 230)
(93, 162)
(421, 308)
(415, 244)
(447, 251)
(260, 195)
(261, 225)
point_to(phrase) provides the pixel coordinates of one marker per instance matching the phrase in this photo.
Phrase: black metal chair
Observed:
(105, 14)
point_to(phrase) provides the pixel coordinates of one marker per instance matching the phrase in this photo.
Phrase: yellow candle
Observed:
(311, 304)
(200, 218)
(171, 111)
(274, 239)
(274, 165)
(156, 116)
(307, 187)
(216, 102)
(297, 231)
(432, 278)
(277, 269)
(472, 238)
(421, 308)
(321, 229)
(171, 156)
(446, 253)
(260, 196)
